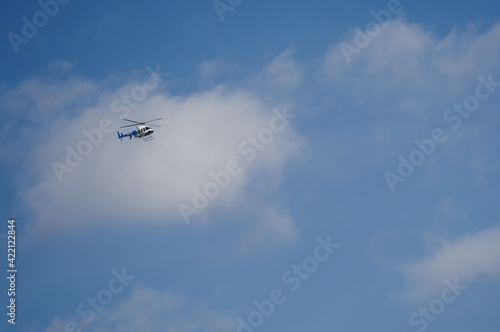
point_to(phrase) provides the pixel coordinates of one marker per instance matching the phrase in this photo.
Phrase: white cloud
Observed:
(39, 99)
(411, 65)
(402, 83)
(31, 110)
(283, 71)
(134, 180)
(466, 258)
(137, 182)
(151, 310)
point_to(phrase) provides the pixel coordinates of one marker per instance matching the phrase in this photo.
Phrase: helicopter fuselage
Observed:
(141, 131)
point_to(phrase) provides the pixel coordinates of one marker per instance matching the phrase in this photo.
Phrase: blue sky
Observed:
(315, 169)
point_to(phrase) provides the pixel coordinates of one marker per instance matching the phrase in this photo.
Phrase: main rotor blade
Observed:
(151, 120)
(154, 126)
(140, 123)
(133, 121)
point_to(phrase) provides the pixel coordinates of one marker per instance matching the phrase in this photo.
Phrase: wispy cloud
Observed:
(410, 64)
(148, 309)
(283, 71)
(466, 257)
(401, 84)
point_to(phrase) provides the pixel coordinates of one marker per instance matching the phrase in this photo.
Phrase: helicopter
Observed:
(141, 131)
